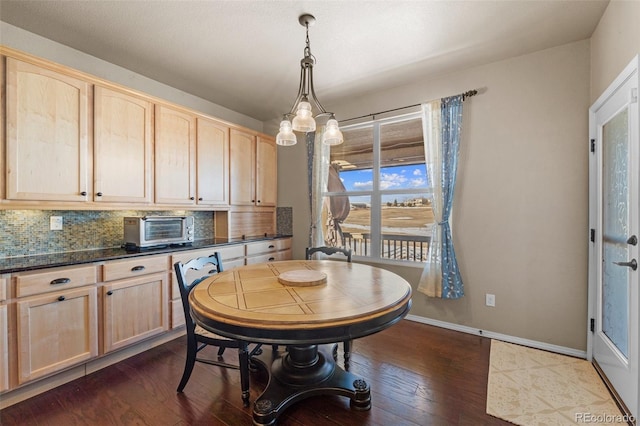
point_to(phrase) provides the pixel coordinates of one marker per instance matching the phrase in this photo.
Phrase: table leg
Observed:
(299, 373)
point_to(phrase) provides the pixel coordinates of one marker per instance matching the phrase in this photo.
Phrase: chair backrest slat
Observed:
(328, 251)
(213, 263)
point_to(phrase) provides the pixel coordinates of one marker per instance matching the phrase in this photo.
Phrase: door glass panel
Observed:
(615, 188)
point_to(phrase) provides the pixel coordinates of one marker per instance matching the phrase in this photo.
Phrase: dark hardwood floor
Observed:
(419, 375)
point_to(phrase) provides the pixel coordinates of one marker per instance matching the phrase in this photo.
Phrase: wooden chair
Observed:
(198, 338)
(309, 251)
(329, 251)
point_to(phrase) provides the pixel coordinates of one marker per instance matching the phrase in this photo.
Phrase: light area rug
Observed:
(533, 387)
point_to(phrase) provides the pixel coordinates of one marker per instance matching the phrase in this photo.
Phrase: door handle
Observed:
(633, 264)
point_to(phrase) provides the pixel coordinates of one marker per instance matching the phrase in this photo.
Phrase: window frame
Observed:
(376, 194)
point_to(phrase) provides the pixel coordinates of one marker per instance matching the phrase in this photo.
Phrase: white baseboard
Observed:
(499, 336)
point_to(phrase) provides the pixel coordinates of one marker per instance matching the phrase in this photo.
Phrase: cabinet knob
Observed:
(99, 194)
(200, 199)
(58, 281)
(83, 193)
(272, 259)
(61, 298)
(109, 293)
(137, 268)
(192, 198)
(258, 201)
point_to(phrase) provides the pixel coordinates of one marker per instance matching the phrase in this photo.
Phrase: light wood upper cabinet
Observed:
(253, 170)
(123, 144)
(242, 168)
(212, 156)
(175, 149)
(48, 140)
(266, 175)
(74, 141)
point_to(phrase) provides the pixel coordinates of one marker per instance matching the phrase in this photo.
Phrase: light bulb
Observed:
(286, 136)
(303, 121)
(332, 134)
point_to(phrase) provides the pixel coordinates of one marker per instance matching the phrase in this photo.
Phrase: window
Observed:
(381, 165)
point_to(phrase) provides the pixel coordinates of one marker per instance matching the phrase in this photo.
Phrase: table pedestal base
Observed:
(299, 373)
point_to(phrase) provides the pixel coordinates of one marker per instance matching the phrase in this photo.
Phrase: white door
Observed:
(614, 219)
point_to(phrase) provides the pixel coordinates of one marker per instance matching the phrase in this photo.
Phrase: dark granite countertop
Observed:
(27, 263)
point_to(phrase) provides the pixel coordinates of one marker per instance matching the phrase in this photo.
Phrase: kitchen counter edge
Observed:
(10, 265)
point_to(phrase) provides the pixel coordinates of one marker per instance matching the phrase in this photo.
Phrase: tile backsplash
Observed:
(26, 232)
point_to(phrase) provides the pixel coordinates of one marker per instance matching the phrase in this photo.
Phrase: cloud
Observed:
(417, 172)
(363, 185)
(391, 180)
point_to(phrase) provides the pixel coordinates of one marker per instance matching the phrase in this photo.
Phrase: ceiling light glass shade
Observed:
(286, 136)
(303, 121)
(332, 134)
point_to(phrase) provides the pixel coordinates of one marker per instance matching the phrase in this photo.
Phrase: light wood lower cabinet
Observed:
(57, 321)
(4, 346)
(4, 337)
(136, 304)
(55, 331)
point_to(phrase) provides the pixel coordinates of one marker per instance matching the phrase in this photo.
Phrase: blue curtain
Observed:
(451, 122)
(442, 124)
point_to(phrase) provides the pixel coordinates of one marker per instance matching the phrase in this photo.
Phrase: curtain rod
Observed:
(467, 94)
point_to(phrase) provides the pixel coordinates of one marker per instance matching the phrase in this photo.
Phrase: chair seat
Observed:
(206, 333)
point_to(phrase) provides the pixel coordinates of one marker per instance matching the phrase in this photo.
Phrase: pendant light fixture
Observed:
(302, 109)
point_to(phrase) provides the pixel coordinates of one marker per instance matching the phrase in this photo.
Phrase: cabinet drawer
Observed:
(54, 279)
(270, 257)
(134, 267)
(268, 246)
(226, 252)
(230, 252)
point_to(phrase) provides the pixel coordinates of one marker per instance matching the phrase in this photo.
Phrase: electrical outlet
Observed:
(490, 300)
(55, 223)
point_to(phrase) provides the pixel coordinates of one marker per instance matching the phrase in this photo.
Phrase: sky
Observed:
(397, 177)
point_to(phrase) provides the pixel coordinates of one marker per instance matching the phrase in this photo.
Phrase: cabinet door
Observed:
(55, 331)
(212, 163)
(174, 156)
(134, 309)
(122, 147)
(242, 168)
(48, 143)
(4, 349)
(266, 177)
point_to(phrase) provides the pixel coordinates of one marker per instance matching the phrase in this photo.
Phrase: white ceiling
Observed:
(245, 54)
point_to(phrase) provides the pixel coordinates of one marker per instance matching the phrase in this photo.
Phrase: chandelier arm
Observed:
(300, 93)
(313, 92)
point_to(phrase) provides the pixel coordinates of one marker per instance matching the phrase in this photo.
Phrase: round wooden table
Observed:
(249, 303)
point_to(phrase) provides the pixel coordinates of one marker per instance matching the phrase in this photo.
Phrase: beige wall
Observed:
(521, 203)
(614, 43)
(28, 42)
